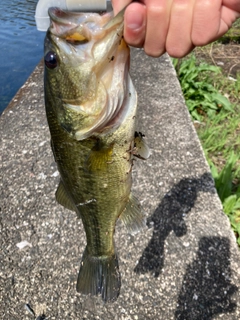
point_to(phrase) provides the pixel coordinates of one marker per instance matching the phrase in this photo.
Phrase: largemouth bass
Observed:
(91, 106)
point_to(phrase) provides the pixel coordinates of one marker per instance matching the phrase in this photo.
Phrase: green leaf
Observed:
(214, 170)
(237, 207)
(175, 62)
(238, 240)
(195, 115)
(211, 113)
(229, 203)
(222, 100)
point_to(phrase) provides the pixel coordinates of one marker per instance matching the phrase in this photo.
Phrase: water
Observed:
(21, 46)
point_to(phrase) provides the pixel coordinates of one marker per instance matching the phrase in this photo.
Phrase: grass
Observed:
(212, 98)
(233, 35)
(201, 96)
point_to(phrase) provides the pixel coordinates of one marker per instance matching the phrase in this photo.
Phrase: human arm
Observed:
(176, 26)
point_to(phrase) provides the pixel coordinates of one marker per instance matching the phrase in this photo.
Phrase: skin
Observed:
(176, 26)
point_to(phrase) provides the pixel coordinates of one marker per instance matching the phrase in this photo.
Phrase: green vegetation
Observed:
(228, 192)
(201, 97)
(213, 102)
(233, 35)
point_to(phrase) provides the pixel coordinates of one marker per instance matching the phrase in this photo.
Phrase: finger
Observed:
(234, 5)
(212, 19)
(158, 15)
(179, 42)
(118, 5)
(206, 21)
(228, 16)
(135, 24)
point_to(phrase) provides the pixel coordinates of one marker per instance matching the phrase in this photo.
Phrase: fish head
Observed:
(86, 71)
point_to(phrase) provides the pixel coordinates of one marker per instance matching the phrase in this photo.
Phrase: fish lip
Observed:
(60, 18)
(56, 14)
(70, 19)
(64, 17)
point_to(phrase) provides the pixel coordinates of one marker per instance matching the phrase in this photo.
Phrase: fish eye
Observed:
(51, 60)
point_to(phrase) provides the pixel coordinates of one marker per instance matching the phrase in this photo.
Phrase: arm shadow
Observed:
(168, 216)
(206, 288)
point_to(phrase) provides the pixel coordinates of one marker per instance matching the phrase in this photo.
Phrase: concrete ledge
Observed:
(184, 267)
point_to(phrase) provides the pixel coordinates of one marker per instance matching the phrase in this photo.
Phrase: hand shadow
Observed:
(170, 216)
(206, 288)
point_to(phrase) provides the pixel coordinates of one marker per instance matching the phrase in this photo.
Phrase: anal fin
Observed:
(63, 198)
(132, 216)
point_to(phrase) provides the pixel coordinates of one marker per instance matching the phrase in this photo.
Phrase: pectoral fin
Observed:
(142, 149)
(99, 158)
(132, 216)
(63, 198)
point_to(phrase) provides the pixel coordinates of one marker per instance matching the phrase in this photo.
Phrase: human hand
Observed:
(175, 26)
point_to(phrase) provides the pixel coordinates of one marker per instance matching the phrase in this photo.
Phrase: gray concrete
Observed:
(184, 266)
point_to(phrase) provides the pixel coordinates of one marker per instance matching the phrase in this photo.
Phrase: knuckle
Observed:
(181, 5)
(178, 52)
(156, 10)
(154, 52)
(200, 38)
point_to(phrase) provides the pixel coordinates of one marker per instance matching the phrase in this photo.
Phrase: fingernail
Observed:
(134, 20)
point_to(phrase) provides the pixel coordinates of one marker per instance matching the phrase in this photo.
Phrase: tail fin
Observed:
(99, 275)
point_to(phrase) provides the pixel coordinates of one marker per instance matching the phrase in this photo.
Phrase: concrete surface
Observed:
(185, 266)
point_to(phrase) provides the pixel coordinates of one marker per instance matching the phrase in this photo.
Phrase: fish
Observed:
(91, 107)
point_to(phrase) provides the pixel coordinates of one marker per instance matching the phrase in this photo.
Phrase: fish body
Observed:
(91, 106)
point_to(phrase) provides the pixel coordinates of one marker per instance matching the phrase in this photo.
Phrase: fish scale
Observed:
(92, 126)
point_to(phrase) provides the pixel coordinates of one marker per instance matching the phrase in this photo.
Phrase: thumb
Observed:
(118, 5)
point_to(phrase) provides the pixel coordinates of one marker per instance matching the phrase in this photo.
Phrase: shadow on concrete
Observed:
(206, 288)
(170, 216)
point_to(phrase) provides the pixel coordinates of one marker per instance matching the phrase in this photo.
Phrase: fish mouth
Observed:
(93, 42)
(86, 34)
(64, 23)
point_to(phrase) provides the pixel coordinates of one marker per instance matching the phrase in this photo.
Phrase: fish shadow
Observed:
(169, 216)
(206, 288)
